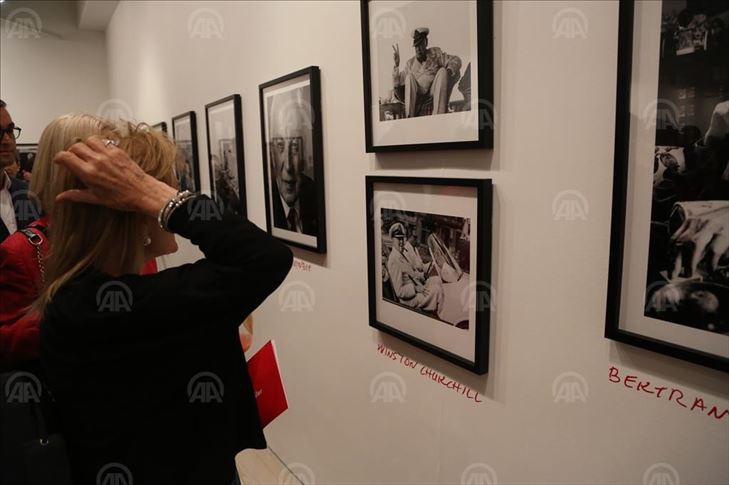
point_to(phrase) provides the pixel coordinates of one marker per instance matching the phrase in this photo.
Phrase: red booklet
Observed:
(266, 376)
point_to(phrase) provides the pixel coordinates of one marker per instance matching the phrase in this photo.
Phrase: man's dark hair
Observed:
(2, 103)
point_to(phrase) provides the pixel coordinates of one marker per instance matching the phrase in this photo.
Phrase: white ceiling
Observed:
(61, 17)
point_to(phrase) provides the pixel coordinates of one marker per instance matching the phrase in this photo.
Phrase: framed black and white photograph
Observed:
(223, 120)
(293, 161)
(668, 288)
(162, 126)
(428, 74)
(187, 165)
(429, 264)
(26, 156)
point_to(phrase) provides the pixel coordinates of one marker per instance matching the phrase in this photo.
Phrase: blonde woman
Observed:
(20, 275)
(148, 371)
(20, 266)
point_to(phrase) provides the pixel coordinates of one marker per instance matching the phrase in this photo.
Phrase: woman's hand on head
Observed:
(112, 179)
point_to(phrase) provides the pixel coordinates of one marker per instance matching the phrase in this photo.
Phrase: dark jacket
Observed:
(307, 205)
(148, 371)
(26, 210)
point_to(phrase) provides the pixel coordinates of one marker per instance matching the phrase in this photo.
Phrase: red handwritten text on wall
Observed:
(433, 375)
(667, 393)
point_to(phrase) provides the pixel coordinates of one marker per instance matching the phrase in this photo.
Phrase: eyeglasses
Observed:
(12, 131)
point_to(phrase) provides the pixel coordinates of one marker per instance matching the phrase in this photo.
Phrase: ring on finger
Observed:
(110, 142)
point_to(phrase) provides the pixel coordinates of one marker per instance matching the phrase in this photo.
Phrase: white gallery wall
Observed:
(548, 412)
(49, 66)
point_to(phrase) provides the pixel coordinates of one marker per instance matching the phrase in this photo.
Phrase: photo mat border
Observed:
(485, 56)
(484, 202)
(613, 331)
(240, 157)
(193, 135)
(317, 149)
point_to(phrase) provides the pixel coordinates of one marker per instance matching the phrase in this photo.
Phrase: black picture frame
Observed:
(235, 99)
(27, 153)
(482, 288)
(162, 126)
(313, 75)
(484, 114)
(192, 117)
(620, 207)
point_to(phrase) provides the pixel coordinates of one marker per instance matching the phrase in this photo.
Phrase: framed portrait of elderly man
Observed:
(668, 286)
(428, 74)
(187, 166)
(225, 153)
(429, 264)
(293, 165)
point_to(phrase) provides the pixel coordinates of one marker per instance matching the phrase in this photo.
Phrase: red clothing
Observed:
(20, 281)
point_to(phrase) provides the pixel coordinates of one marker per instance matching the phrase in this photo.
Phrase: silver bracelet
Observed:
(163, 218)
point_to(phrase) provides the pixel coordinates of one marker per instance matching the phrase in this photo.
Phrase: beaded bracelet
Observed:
(171, 206)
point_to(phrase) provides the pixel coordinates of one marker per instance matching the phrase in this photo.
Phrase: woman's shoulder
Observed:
(93, 294)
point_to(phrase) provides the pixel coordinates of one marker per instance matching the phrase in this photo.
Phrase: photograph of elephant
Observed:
(426, 264)
(688, 263)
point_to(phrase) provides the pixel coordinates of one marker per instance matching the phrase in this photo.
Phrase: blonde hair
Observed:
(59, 135)
(85, 235)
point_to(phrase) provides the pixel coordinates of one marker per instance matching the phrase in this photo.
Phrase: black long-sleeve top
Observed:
(154, 378)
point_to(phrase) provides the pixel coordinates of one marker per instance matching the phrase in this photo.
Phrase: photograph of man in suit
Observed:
(16, 209)
(430, 73)
(293, 193)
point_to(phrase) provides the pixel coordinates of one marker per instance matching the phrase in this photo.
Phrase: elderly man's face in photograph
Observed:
(287, 151)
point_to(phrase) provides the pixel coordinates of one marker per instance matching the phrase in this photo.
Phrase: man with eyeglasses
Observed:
(14, 202)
